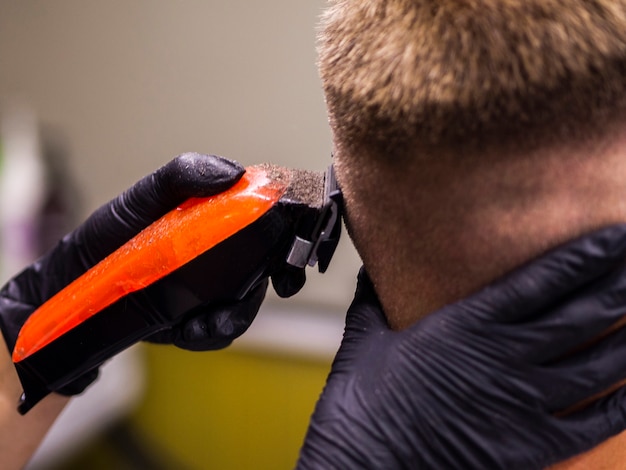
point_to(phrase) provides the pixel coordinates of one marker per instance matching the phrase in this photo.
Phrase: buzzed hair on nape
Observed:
(451, 73)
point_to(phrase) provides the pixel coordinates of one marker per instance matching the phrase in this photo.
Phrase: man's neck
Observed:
(450, 226)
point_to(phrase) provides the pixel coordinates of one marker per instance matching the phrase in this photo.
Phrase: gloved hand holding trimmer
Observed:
(206, 327)
(487, 382)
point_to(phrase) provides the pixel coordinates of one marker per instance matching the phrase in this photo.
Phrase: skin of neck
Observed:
(442, 227)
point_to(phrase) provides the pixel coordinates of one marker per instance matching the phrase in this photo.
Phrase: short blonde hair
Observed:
(469, 72)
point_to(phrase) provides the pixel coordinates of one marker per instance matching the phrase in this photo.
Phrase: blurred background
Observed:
(94, 95)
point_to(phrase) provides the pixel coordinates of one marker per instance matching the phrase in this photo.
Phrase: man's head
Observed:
(401, 73)
(472, 134)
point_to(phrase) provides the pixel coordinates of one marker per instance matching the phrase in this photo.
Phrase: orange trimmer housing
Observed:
(207, 250)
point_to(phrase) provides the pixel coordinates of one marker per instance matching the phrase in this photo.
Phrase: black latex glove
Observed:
(480, 383)
(188, 175)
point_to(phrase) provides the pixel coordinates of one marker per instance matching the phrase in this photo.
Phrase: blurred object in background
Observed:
(38, 205)
(22, 190)
(38, 198)
(60, 209)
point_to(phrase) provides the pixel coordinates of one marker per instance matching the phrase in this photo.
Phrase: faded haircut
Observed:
(450, 73)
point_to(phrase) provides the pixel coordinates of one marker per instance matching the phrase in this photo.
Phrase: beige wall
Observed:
(132, 83)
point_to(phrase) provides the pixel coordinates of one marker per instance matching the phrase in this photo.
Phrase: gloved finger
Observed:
(188, 175)
(288, 281)
(577, 321)
(364, 320)
(544, 282)
(365, 315)
(585, 373)
(602, 419)
(214, 326)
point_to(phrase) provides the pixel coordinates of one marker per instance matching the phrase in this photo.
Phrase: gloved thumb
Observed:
(365, 326)
(365, 316)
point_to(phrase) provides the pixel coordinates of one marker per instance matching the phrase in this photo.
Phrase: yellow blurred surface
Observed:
(228, 409)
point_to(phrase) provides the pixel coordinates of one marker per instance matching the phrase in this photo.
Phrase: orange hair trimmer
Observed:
(207, 250)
